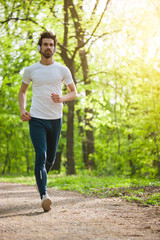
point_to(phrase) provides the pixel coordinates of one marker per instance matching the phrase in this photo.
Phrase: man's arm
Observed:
(25, 116)
(68, 97)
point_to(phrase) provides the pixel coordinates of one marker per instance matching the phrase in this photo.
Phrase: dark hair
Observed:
(47, 34)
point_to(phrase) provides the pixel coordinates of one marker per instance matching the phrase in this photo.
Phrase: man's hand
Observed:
(68, 97)
(25, 116)
(56, 98)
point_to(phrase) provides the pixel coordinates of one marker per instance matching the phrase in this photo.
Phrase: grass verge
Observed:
(143, 191)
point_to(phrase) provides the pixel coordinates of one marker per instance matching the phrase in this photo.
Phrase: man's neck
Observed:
(46, 61)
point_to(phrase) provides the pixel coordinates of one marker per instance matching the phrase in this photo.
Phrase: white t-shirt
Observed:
(46, 79)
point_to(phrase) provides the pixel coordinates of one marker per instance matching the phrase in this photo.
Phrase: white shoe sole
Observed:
(46, 204)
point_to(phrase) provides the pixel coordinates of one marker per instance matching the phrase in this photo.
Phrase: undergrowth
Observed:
(143, 191)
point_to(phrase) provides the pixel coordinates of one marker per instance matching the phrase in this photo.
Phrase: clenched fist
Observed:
(25, 116)
(56, 98)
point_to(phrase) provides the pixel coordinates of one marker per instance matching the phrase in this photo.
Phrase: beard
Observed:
(47, 53)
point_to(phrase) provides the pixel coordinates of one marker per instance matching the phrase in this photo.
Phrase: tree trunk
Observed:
(26, 149)
(89, 161)
(84, 147)
(88, 110)
(115, 116)
(157, 147)
(70, 139)
(70, 115)
(7, 160)
(57, 164)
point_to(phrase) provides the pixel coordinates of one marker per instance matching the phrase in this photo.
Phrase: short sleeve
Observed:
(67, 76)
(26, 77)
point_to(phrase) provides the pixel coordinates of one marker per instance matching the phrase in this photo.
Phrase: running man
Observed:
(45, 117)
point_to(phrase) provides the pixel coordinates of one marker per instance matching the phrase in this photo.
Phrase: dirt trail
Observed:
(73, 217)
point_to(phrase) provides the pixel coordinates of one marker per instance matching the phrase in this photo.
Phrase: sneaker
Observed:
(46, 203)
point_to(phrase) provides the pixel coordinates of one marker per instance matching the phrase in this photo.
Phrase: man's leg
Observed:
(38, 137)
(52, 142)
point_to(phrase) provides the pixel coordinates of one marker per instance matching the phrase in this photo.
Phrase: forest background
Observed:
(112, 50)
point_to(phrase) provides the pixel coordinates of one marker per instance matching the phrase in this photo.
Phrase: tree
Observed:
(23, 14)
(113, 56)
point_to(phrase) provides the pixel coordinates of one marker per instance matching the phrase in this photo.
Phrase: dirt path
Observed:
(73, 217)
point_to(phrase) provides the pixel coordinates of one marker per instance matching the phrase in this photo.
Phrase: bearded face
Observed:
(47, 48)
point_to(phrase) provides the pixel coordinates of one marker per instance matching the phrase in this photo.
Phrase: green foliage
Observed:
(139, 190)
(123, 85)
(154, 199)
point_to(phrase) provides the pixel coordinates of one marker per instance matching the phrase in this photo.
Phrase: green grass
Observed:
(140, 190)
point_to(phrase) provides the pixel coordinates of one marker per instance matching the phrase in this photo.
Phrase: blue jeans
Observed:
(45, 136)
